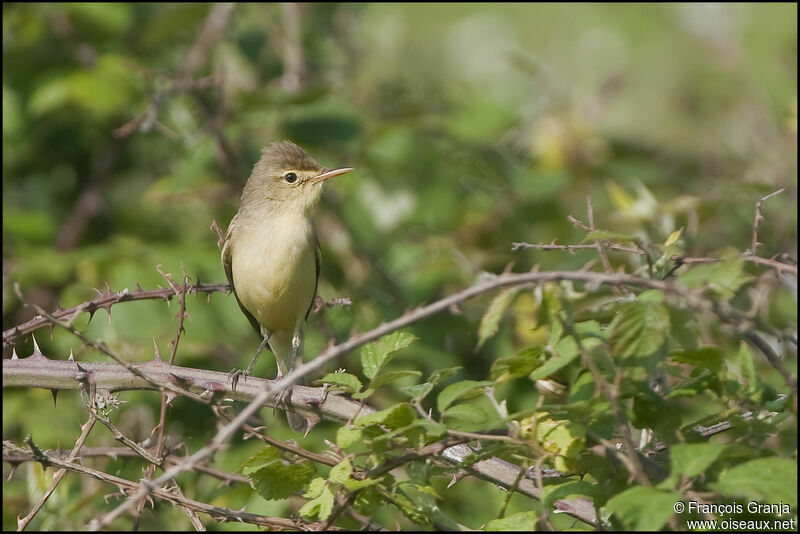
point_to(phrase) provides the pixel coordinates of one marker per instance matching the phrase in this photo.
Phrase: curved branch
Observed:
(104, 300)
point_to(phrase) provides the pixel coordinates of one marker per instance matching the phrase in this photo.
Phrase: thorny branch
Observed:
(693, 299)
(85, 429)
(128, 486)
(104, 300)
(38, 371)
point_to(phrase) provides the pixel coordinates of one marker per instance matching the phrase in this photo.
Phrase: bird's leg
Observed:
(284, 397)
(235, 374)
(258, 353)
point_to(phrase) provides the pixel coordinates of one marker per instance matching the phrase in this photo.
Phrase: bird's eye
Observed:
(290, 177)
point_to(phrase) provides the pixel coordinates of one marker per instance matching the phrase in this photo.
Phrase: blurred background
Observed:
(128, 128)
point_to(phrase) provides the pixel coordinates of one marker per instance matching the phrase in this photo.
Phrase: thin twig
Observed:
(85, 429)
(758, 217)
(104, 300)
(128, 486)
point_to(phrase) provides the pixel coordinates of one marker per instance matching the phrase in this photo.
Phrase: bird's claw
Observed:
(235, 374)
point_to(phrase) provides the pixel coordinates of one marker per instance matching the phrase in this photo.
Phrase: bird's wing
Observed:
(318, 259)
(227, 255)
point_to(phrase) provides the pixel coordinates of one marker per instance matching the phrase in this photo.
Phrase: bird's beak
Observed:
(330, 173)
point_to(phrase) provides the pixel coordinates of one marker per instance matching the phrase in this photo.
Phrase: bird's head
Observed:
(287, 178)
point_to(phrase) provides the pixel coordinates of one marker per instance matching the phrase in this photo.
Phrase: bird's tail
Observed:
(281, 344)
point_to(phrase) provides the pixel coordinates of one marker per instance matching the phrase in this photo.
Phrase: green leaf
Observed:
(342, 473)
(551, 494)
(346, 436)
(517, 366)
(748, 368)
(350, 383)
(673, 237)
(466, 412)
(691, 459)
(375, 355)
(767, 480)
(641, 327)
(385, 378)
(724, 278)
(361, 395)
(418, 391)
(397, 416)
(522, 522)
(566, 351)
(320, 507)
(315, 488)
(443, 374)
(643, 508)
(459, 390)
(709, 357)
(491, 319)
(274, 477)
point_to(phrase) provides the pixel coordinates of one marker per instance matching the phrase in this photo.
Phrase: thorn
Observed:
(14, 354)
(311, 422)
(35, 346)
(456, 477)
(54, 392)
(157, 355)
(170, 397)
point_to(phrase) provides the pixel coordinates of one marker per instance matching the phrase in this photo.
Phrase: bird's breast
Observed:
(274, 271)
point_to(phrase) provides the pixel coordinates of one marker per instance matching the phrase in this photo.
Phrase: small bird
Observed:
(271, 254)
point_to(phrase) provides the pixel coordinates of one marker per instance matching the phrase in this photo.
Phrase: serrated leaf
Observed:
(517, 366)
(520, 522)
(709, 357)
(274, 477)
(566, 351)
(643, 508)
(341, 471)
(723, 278)
(321, 507)
(466, 412)
(418, 391)
(606, 235)
(385, 378)
(375, 355)
(491, 318)
(350, 383)
(315, 488)
(409, 509)
(262, 458)
(346, 436)
(459, 390)
(691, 459)
(641, 327)
(767, 480)
(397, 416)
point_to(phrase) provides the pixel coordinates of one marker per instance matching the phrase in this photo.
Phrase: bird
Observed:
(271, 254)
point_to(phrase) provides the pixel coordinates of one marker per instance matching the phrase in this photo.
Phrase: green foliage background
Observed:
(470, 127)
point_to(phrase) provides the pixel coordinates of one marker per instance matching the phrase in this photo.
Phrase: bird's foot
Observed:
(235, 374)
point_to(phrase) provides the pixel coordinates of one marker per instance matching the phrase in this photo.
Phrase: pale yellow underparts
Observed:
(274, 268)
